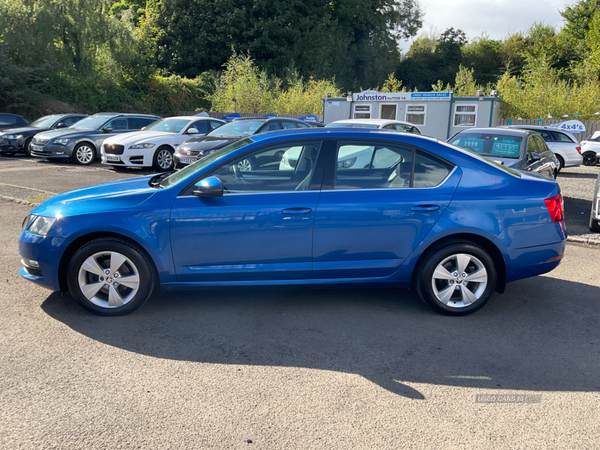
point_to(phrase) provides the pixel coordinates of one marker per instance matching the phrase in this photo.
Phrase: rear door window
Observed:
(137, 123)
(560, 137)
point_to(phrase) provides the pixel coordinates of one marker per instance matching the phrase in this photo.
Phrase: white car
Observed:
(154, 145)
(383, 124)
(590, 149)
(565, 146)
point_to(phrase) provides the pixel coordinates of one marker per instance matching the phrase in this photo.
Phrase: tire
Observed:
(245, 165)
(163, 160)
(84, 154)
(100, 288)
(594, 226)
(26, 150)
(589, 159)
(561, 163)
(442, 286)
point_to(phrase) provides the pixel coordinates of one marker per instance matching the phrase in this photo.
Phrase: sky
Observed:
(497, 18)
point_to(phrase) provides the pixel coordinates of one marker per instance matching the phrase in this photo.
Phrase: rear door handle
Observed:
(297, 211)
(425, 208)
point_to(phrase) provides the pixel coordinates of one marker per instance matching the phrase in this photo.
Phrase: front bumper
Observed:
(52, 151)
(11, 146)
(46, 251)
(129, 159)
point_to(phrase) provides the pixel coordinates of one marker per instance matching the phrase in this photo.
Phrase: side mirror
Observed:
(61, 125)
(107, 130)
(209, 187)
(192, 131)
(535, 156)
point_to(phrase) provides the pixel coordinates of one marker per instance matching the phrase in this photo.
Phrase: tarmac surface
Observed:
(295, 368)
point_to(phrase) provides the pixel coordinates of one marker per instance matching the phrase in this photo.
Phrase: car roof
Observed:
(191, 118)
(536, 127)
(498, 131)
(379, 122)
(124, 114)
(266, 119)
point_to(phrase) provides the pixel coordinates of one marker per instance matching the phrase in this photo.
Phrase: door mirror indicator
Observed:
(209, 187)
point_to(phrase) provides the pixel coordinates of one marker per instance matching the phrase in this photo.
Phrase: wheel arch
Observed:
(84, 239)
(90, 143)
(483, 242)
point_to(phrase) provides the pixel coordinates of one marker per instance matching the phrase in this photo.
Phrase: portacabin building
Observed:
(437, 114)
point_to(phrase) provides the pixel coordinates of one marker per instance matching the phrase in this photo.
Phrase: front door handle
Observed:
(425, 208)
(297, 211)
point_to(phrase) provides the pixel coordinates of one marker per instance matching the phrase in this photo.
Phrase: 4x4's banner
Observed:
(572, 126)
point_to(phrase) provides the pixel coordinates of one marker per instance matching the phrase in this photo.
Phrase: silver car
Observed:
(81, 142)
(595, 213)
(565, 146)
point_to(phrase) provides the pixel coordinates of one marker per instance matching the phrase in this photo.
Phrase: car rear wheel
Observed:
(110, 277)
(589, 159)
(457, 279)
(163, 159)
(561, 163)
(84, 154)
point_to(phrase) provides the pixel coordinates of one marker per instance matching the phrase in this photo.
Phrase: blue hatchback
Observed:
(334, 207)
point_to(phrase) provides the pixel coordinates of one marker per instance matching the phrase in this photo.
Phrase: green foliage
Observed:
(168, 95)
(255, 92)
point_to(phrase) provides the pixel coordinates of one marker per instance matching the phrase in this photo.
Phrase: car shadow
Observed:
(577, 175)
(577, 215)
(542, 334)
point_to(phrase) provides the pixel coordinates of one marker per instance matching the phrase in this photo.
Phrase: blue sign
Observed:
(573, 126)
(232, 116)
(310, 118)
(430, 95)
(268, 116)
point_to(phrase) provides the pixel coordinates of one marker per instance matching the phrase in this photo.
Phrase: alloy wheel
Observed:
(164, 158)
(459, 280)
(84, 154)
(108, 279)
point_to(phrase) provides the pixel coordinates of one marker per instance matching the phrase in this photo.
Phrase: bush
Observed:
(168, 95)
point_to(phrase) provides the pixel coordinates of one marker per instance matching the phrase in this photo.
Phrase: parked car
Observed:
(595, 212)
(523, 150)
(17, 140)
(11, 121)
(81, 142)
(155, 145)
(383, 124)
(454, 225)
(195, 148)
(590, 149)
(565, 145)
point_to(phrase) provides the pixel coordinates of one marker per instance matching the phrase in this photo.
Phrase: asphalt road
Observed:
(323, 369)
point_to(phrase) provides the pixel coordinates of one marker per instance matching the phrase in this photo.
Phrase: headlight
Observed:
(41, 225)
(63, 141)
(140, 146)
(26, 222)
(346, 164)
(13, 136)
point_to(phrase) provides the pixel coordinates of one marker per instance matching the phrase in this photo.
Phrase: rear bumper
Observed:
(532, 261)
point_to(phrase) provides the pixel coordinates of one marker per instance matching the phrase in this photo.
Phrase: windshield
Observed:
(168, 125)
(44, 122)
(92, 122)
(237, 128)
(193, 168)
(488, 144)
(350, 125)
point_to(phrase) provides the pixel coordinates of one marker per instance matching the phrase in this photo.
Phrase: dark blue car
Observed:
(415, 212)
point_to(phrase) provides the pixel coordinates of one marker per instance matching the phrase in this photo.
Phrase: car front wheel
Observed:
(110, 277)
(84, 154)
(163, 160)
(457, 279)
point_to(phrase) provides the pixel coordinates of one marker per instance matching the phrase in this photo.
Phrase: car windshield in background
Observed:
(168, 125)
(203, 162)
(487, 144)
(44, 122)
(91, 123)
(238, 128)
(350, 125)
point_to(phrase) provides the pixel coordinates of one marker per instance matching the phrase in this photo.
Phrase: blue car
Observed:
(418, 213)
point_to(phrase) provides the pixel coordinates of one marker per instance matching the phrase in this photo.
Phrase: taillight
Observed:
(578, 150)
(556, 208)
